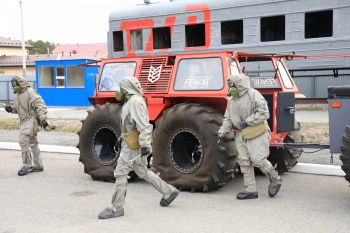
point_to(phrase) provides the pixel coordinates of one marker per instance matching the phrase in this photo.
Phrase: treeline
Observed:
(41, 47)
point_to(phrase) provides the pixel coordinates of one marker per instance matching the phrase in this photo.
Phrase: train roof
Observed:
(178, 7)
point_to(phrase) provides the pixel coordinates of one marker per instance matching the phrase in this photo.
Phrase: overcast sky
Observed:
(60, 21)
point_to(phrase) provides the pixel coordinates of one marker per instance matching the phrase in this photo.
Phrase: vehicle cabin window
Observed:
(113, 73)
(46, 76)
(161, 38)
(199, 74)
(261, 73)
(195, 35)
(284, 75)
(136, 39)
(318, 24)
(232, 32)
(234, 68)
(272, 28)
(60, 78)
(75, 76)
(118, 42)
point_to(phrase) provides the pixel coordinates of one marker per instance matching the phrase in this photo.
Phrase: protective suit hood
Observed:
(22, 83)
(131, 86)
(242, 83)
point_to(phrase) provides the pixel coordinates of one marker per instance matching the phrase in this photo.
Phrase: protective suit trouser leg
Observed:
(259, 150)
(245, 163)
(119, 193)
(36, 152)
(140, 167)
(249, 178)
(24, 142)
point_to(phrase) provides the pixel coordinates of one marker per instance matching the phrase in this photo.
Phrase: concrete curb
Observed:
(44, 148)
(306, 168)
(318, 169)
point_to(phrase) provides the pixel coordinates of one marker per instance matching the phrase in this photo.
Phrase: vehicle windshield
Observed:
(112, 73)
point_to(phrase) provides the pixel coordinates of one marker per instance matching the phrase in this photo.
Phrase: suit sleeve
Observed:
(38, 105)
(226, 123)
(139, 114)
(260, 110)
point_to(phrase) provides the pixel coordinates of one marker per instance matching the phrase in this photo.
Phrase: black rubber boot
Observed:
(109, 213)
(274, 187)
(24, 171)
(164, 202)
(247, 195)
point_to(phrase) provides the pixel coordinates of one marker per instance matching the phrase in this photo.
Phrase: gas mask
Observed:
(232, 91)
(120, 95)
(15, 86)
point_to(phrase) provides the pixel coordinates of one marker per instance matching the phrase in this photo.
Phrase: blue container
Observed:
(66, 82)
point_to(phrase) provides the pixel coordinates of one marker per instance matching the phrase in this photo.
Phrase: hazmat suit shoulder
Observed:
(30, 101)
(135, 112)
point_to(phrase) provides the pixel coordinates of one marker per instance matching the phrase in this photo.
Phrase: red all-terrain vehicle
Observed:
(186, 96)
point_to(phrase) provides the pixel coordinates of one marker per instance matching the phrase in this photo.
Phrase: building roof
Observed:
(15, 61)
(98, 49)
(8, 42)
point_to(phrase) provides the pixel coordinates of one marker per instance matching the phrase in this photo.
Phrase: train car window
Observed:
(195, 35)
(232, 32)
(199, 74)
(272, 28)
(136, 39)
(161, 38)
(46, 76)
(118, 42)
(318, 24)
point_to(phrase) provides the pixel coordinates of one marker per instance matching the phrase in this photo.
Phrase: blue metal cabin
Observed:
(66, 82)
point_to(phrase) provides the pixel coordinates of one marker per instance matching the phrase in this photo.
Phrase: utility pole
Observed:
(23, 43)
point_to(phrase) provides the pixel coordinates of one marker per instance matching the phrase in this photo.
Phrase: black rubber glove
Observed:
(8, 109)
(221, 137)
(119, 142)
(146, 151)
(243, 125)
(44, 124)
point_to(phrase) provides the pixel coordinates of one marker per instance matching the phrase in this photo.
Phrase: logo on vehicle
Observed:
(154, 74)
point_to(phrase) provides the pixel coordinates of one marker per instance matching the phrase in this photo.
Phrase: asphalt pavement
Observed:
(63, 199)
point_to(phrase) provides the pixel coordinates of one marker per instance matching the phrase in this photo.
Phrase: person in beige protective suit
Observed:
(136, 147)
(32, 111)
(247, 108)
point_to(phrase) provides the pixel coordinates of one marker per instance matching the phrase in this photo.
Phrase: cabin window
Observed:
(136, 39)
(60, 78)
(118, 42)
(113, 73)
(75, 76)
(318, 24)
(199, 74)
(195, 35)
(232, 32)
(46, 76)
(272, 28)
(161, 38)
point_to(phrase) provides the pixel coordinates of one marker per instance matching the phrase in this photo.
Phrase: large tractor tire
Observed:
(287, 158)
(185, 149)
(97, 141)
(345, 153)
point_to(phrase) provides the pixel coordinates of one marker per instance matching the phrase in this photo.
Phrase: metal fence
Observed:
(314, 84)
(6, 93)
